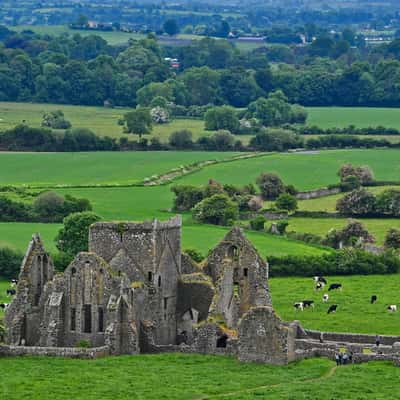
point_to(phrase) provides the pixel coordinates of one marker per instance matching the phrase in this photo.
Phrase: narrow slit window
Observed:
(101, 320)
(73, 319)
(165, 303)
(159, 281)
(150, 276)
(87, 313)
(245, 272)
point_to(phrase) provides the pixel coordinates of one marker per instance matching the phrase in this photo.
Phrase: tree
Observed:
(287, 202)
(181, 139)
(218, 210)
(271, 185)
(10, 262)
(186, 197)
(357, 202)
(392, 239)
(138, 121)
(258, 223)
(55, 120)
(364, 173)
(49, 205)
(223, 117)
(73, 237)
(171, 27)
(224, 29)
(388, 202)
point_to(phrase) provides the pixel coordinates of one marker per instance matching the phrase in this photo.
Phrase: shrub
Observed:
(223, 117)
(348, 262)
(218, 210)
(392, 239)
(364, 174)
(194, 254)
(388, 202)
(271, 185)
(286, 202)
(10, 262)
(258, 223)
(83, 344)
(49, 205)
(56, 120)
(186, 197)
(357, 202)
(181, 139)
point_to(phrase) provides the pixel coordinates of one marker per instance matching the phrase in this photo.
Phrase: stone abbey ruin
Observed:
(135, 292)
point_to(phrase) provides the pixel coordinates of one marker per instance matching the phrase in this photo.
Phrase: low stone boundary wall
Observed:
(315, 194)
(69, 352)
(351, 337)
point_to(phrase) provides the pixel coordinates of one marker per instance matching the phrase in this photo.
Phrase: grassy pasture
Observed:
(328, 203)
(93, 168)
(354, 314)
(182, 377)
(321, 226)
(306, 171)
(361, 117)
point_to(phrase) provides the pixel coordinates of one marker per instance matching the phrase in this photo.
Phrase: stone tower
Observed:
(149, 253)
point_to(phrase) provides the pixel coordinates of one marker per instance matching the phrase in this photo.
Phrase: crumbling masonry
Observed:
(135, 292)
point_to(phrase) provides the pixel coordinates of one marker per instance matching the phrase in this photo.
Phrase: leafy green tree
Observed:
(223, 117)
(258, 223)
(49, 205)
(287, 202)
(186, 196)
(139, 121)
(171, 27)
(56, 120)
(73, 237)
(10, 262)
(270, 185)
(202, 85)
(181, 139)
(218, 210)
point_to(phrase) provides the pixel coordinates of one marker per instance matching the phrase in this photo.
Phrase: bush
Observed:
(364, 174)
(10, 262)
(388, 202)
(186, 197)
(49, 206)
(392, 239)
(223, 117)
(258, 223)
(55, 120)
(357, 202)
(348, 262)
(275, 140)
(218, 210)
(83, 344)
(271, 185)
(181, 139)
(286, 202)
(194, 254)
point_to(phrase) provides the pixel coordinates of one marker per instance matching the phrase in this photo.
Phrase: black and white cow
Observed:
(332, 308)
(319, 286)
(4, 306)
(14, 282)
(374, 298)
(325, 297)
(11, 292)
(308, 303)
(392, 308)
(335, 286)
(299, 306)
(320, 279)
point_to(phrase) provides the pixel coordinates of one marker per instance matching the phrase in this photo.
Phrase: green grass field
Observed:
(196, 377)
(93, 168)
(321, 226)
(329, 117)
(305, 171)
(354, 314)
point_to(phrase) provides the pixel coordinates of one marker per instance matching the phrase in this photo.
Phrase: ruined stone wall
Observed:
(69, 352)
(264, 338)
(315, 194)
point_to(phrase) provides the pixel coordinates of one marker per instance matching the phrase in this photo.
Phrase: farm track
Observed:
(323, 377)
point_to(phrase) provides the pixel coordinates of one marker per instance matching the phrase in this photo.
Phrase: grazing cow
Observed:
(308, 303)
(319, 286)
(392, 308)
(4, 306)
(374, 298)
(14, 282)
(325, 297)
(335, 286)
(332, 308)
(299, 306)
(320, 279)
(11, 292)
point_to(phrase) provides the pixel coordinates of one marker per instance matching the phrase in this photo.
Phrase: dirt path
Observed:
(323, 377)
